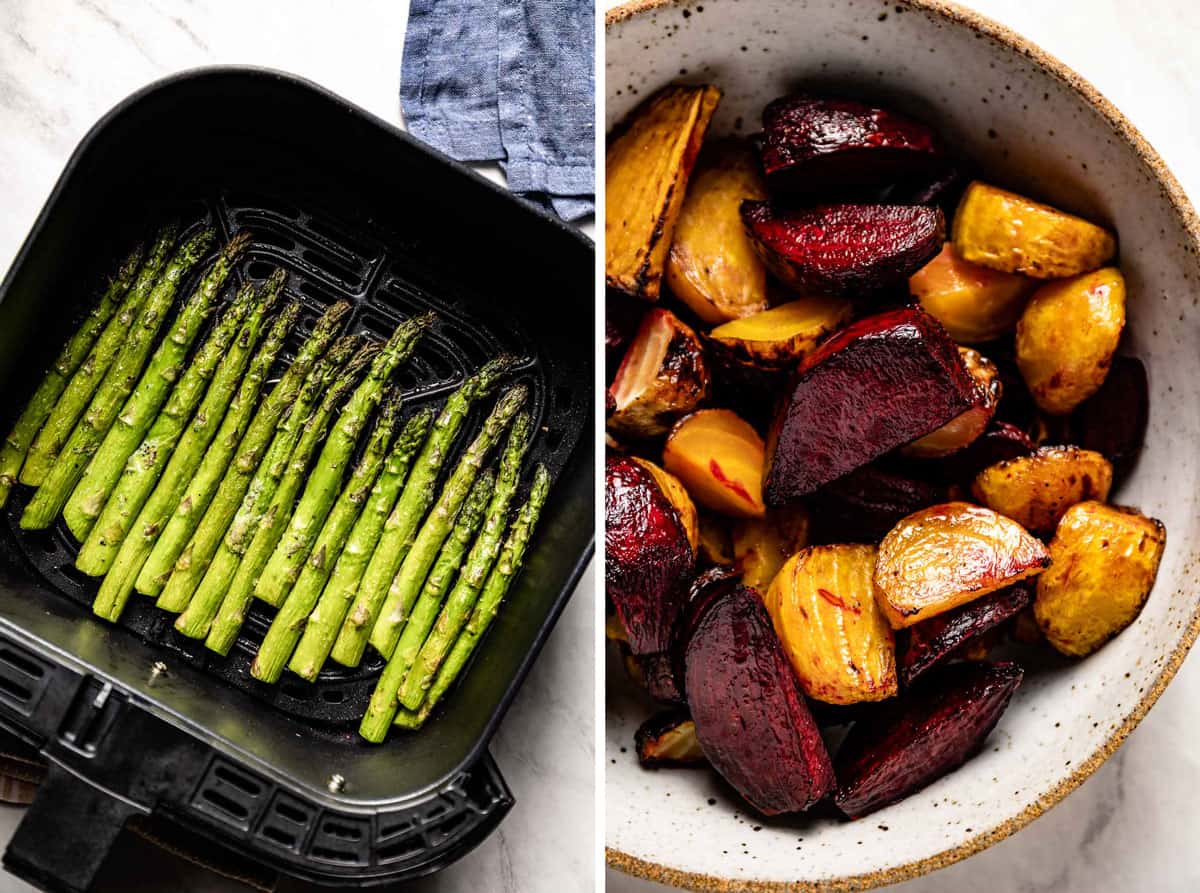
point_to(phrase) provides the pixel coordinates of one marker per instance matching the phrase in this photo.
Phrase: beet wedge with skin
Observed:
(878, 384)
(649, 563)
(847, 250)
(934, 728)
(751, 718)
(933, 641)
(814, 143)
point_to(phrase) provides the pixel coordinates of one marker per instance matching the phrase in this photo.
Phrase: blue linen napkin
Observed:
(508, 81)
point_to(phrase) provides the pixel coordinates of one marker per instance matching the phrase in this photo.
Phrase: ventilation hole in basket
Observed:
(452, 825)
(348, 242)
(246, 785)
(78, 577)
(226, 804)
(331, 855)
(279, 836)
(316, 293)
(345, 832)
(44, 540)
(15, 690)
(386, 831)
(275, 239)
(22, 663)
(292, 813)
(297, 691)
(332, 695)
(401, 849)
(259, 270)
(329, 265)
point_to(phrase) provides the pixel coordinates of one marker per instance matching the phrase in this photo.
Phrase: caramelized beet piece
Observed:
(668, 739)
(848, 251)
(878, 384)
(751, 718)
(933, 729)
(648, 564)
(1113, 420)
(932, 641)
(999, 443)
(811, 143)
(865, 504)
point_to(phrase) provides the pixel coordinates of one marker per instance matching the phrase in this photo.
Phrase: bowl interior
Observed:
(1031, 126)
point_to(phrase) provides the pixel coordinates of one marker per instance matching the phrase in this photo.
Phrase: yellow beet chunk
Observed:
(783, 335)
(719, 458)
(678, 496)
(1105, 560)
(828, 620)
(647, 170)
(973, 303)
(1013, 234)
(1067, 336)
(961, 430)
(1036, 490)
(949, 554)
(712, 267)
(762, 545)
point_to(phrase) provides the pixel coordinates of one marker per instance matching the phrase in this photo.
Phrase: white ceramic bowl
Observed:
(1037, 127)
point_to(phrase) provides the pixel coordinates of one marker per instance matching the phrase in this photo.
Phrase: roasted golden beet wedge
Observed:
(751, 718)
(1105, 561)
(974, 303)
(827, 618)
(1036, 490)
(934, 728)
(646, 177)
(963, 429)
(784, 335)
(947, 555)
(679, 498)
(668, 740)
(719, 459)
(882, 382)
(933, 641)
(712, 266)
(649, 562)
(762, 545)
(662, 377)
(813, 143)
(850, 251)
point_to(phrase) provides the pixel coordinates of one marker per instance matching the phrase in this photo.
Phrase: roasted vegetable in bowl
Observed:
(903, 459)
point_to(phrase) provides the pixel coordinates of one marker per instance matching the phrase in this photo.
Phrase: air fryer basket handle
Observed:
(67, 833)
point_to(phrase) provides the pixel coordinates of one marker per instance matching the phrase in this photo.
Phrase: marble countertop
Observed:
(1132, 825)
(63, 63)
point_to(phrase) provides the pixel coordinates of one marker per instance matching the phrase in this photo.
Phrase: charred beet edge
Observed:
(999, 443)
(866, 503)
(850, 251)
(878, 384)
(812, 143)
(933, 729)
(751, 718)
(932, 641)
(1113, 420)
(668, 739)
(648, 563)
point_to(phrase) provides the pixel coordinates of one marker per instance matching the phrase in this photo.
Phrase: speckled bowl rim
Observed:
(1179, 202)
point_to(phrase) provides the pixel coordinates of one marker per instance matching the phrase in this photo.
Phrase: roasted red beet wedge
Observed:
(668, 739)
(930, 642)
(932, 729)
(849, 251)
(812, 144)
(648, 565)
(865, 504)
(1113, 420)
(751, 718)
(878, 384)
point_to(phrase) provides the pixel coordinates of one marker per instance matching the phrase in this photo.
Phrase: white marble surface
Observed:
(1132, 826)
(62, 65)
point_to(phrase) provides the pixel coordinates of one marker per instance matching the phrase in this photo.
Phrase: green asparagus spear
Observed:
(254, 432)
(383, 700)
(407, 584)
(319, 493)
(232, 608)
(326, 619)
(69, 359)
(140, 410)
(212, 436)
(218, 365)
(427, 688)
(75, 399)
(296, 424)
(121, 377)
(419, 493)
(288, 624)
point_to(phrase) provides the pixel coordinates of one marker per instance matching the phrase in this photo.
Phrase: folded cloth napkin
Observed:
(508, 81)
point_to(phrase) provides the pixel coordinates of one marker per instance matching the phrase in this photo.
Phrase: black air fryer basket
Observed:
(135, 719)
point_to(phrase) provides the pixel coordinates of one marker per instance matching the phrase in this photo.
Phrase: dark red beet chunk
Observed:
(999, 443)
(865, 504)
(934, 728)
(751, 718)
(648, 562)
(1113, 420)
(849, 251)
(811, 144)
(932, 641)
(878, 384)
